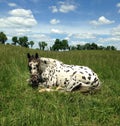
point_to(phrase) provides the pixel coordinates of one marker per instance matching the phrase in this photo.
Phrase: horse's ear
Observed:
(36, 56)
(28, 55)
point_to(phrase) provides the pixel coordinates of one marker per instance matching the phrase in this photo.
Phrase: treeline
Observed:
(21, 41)
(63, 45)
(57, 46)
(91, 46)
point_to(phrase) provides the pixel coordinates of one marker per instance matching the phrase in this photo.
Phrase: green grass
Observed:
(20, 105)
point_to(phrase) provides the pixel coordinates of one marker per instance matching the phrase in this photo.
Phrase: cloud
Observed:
(57, 31)
(115, 41)
(113, 38)
(68, 37)
(116, 31)
(12, 4)
(85, 36)
(66, 7)
(54, 21)
(21, 13)
(101, 21)
(63, 7)
(118, 5)
(18, 18)
(38, 37)
(54, 9)
(22, 31)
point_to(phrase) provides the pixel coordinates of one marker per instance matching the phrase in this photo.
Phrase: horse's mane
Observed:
(50, 60)
(47, 62)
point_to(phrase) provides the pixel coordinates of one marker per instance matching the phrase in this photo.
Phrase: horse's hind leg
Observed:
(82, 87)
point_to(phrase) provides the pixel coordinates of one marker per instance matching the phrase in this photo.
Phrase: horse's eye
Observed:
(30, 64)
(45, 62)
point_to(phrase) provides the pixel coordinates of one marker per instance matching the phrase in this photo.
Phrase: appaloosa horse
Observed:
(49, 73)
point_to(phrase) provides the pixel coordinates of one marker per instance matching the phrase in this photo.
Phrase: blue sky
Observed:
(78, 21)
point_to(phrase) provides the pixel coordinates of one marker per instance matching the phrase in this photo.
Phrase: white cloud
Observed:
(109, 39)
(54, 21)
(118, 5)
(85, 36)
(21, 13)
(57, 31)
(66, 7)
(12, 4)
(77, 42)
(101, 21)
(63, 7)
(39, 37)
(116, 31)
(112, 39)
(22, 31)
(18, 18)
(54, 9)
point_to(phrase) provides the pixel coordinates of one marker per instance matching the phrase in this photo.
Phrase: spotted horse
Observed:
(54, 75)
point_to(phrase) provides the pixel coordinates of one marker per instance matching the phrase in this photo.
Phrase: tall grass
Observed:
(20, 105)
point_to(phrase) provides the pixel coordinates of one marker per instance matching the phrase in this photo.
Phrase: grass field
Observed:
(20, 105)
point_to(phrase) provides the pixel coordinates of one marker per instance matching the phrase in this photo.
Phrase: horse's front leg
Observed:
(43, 87)
(46, 90)
(50, 89)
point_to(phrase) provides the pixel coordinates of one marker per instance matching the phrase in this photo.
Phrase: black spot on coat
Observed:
(89, 78)
(83, 77)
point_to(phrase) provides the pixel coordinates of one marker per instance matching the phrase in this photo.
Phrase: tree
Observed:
(31, 43)
(59, 45)
(79, 47)
(15, 40)
(64, 44)
(110, 48)
(113, 48)
(87, 46)
(73, 47)
(42, 45)
(101, 48)
(23, 41)
(3, 38)
(94, 46)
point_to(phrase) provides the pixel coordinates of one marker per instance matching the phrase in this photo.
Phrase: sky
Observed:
(78, 21)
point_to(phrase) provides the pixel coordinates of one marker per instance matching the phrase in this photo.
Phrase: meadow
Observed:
(21, 105)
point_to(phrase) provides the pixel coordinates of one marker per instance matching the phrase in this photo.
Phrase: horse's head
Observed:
(34, 64)
(34, 69)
